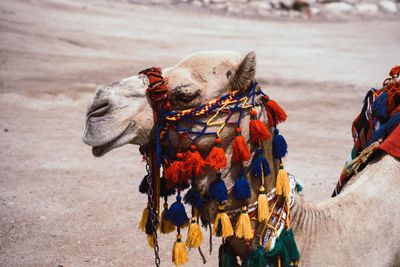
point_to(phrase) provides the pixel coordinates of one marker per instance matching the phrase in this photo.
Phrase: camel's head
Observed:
(120, 114)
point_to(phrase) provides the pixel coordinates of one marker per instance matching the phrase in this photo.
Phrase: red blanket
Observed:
(391, 145)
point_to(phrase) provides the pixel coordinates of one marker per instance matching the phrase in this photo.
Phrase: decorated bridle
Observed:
(276, 242)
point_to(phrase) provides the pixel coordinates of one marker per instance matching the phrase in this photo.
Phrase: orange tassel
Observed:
(176, 172)
(194, 161)
(240, 150)
(276, 114)
(258, 130)
(217, 159)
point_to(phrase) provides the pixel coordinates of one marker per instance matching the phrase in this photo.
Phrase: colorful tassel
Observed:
(176, 172)
(194, 235)
(194, 199)
(150, 240)
(241, 189)
(240, 151)
(276, 114)
(194, 162)
(263, 206)
(179, 253)
(282, 182)
(164, 190)
(243, 226)
(279, 145)
(166, 226)
(177, 213)
(289, 241)
(258, 130)
(218, 190)
(217, 159)
(222, 224)
(259, 165)
(144, 186)
(143, 220)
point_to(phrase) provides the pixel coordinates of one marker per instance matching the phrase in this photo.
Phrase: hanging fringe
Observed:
(259, 165)
(194, 235)
(222, 224)
(241, 189)
(150, 241)
(243, 226)
(177, 213)
(279, 146)
(194, 199)
(282, 182)
(290, 244)
(216, 159)
(164, 190)
(217, 190)
(263, 206)
(276, 114)
(194, 162)
(240, 151)
(144, 186)
(166, 226)
(258, 130)
(176, 172)
(179, 253)
(143, 220)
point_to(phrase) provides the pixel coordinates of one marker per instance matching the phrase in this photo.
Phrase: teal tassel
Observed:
(278, 251)
(226, 256)
(290, 244)
(256, 258)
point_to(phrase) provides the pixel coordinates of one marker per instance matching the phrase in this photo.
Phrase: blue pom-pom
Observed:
(177, 213)
(241, 189)
(386, 129)
(279, 146)
(379, 107)
(218, 190)
(194, 199)
(256, 164)
(144, 186)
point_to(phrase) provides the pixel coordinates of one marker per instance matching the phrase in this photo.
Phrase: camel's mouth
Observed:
(118, 141)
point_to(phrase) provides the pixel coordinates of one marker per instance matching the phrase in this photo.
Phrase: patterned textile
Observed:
(378, 120)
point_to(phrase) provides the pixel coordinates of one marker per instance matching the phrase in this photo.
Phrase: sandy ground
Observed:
(61, 206)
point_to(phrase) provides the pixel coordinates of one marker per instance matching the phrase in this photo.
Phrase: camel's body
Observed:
(357, 228)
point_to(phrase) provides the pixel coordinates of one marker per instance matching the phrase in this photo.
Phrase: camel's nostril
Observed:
(98, 109)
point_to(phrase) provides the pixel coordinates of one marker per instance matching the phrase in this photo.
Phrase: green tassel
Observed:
(256, 258)
(278, 251)
(226, 256)
(290, 244)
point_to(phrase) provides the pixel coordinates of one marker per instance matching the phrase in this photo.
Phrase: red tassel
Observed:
(194, 162)
(258, 130)
(240, 150)
(176, 172)
(217, 159)
(275, 112)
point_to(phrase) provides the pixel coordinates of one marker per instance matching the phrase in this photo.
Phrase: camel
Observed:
(356, 228)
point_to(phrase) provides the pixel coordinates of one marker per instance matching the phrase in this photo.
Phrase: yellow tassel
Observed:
(282, 182)
(243, 226)
(194, 236)
(166, 226)
(150, 241)
(143, 221)
(179, 253)
(222, 220)
(263, 206)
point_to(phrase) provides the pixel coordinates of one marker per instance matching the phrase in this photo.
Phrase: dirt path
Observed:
(59, 205)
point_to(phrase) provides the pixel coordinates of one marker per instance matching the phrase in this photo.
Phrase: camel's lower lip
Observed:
(99, 151)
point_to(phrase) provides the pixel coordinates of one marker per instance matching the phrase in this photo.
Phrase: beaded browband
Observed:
(180, 168)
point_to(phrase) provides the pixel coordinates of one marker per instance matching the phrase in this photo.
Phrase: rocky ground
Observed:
(305, 9)
(60, 206)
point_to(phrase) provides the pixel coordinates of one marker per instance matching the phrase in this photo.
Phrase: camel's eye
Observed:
(228, 74)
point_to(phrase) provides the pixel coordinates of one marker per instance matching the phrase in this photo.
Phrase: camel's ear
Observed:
(244, 74)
